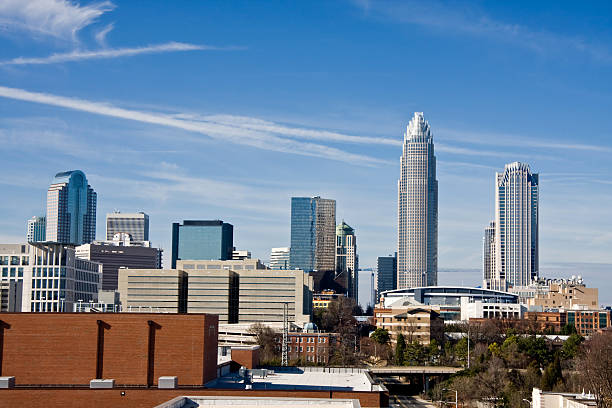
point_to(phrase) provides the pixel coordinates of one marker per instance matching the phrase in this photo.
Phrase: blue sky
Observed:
(227, 109)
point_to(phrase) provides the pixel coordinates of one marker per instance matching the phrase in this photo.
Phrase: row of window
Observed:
(14, 260)
(12, 272)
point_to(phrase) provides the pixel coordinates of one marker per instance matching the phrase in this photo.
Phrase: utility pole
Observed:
(285, 357)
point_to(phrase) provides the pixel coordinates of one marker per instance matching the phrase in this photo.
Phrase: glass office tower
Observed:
(313, 234)
(417, 263)
(516, 227)
(387, 273)
(347, 261)
(37, 229)
(135, 224)
(71, 209)
(202, 240)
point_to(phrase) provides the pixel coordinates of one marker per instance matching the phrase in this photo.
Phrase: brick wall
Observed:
(246, 356)
(137, 398)
(63, 348)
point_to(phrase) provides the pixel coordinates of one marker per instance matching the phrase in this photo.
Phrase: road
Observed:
(402, 401)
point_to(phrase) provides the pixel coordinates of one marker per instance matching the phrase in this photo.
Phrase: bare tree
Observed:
(594, 366)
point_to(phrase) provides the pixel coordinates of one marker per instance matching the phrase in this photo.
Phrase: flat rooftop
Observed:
(252, 402)
(300, 380)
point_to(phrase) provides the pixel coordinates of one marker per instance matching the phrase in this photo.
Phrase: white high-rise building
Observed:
(279, 258)
(37, 229)
(516, 227)
(417, 263)
(488, 254)
(347, 261)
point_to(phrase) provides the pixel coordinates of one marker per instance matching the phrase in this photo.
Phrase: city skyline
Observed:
(335, 128)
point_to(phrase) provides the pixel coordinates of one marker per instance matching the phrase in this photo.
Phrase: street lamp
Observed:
(456, 396)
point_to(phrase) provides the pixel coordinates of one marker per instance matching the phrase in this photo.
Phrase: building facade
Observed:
(347, 261)
(134, 224)
(386, 267)
(113, 256)
(58, 279)
(153, 290)
(313, 347)
(37, 227)
(516, 227)
(417, 263)
(416, 323)
(279, 258)
(264, 292)
(11, 295)
(545, 294)
(488, 254)
(202, 240)
(313, 234)
(71, 209)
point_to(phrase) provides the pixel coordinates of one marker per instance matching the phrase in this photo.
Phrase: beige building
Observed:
(544, 294)
(262, 292)
(157, 290)
(416, 323)
(211, 289)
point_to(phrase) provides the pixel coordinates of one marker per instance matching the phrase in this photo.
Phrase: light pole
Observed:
(456, 396)
(529, 402)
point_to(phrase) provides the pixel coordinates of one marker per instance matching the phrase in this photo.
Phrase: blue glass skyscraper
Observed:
(313, 234)
(71, 209)
(202, 240)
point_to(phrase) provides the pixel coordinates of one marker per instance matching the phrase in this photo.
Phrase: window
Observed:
(14, 260)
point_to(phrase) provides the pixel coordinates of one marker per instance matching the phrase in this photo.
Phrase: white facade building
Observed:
(541, 399)
(37, 229)
(279, 258)
(417, 263)
(516, 228)
(477, 309)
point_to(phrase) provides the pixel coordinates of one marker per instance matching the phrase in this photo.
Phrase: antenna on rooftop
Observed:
(285, 357)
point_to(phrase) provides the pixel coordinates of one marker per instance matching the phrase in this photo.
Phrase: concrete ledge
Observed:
(102, 384)
(7, 382)
(167, 382)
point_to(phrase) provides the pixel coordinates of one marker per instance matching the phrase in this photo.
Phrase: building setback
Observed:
(135, 224)
(202, 240)
(113, 257)
(71, 209)
(417, 263)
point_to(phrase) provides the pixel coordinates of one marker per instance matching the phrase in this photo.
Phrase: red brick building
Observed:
(134, 349)
(309, 347)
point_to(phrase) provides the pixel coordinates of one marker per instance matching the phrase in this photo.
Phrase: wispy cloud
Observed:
(237, 135)
(502, 139)
(469, 20)
(61, 19)
(101, 35)
(109, 53)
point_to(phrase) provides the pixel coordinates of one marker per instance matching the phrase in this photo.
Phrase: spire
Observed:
(418, 129)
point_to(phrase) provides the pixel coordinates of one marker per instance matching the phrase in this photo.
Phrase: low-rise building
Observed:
(309, 347)
(416, 323)
(586, 322)
(323, 299)
(483, 310)
(543, 294)
(541, 399)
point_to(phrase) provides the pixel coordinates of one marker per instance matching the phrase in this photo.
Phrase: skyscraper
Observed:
(71, 209)
(386, 273)
(313, 234)
(202, 240)
(417, 263)
(347, 261)
(279, 258)
(135, 224)
(488, 254)
(37, 229)
(516, 227)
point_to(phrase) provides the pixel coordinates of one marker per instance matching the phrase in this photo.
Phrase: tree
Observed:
(400, 348)
(268, 342)
(414, 353)
(381, 336)
(594, 367)
(552, 375)
(568, 329)
(571, 345)
(369, 311)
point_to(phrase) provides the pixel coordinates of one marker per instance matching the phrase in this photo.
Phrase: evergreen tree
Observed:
(552, 375)
(400, 349)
